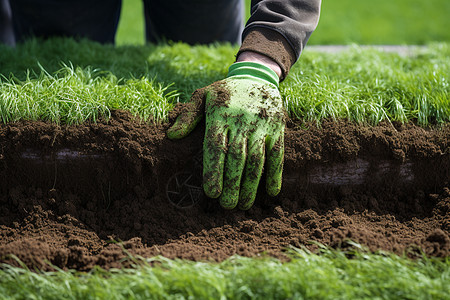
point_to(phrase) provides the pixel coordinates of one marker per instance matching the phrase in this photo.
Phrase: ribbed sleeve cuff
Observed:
(272, 44)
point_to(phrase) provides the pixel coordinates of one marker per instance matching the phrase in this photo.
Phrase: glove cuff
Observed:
(253, 69)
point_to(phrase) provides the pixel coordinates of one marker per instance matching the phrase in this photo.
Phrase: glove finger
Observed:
(184, 124)
(234, 168)
(214, 150)
(252, 173)
(275, 158)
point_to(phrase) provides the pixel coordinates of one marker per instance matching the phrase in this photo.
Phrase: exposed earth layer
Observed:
(68, 194)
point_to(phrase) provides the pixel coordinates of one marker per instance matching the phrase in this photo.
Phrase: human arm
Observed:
(280, 29)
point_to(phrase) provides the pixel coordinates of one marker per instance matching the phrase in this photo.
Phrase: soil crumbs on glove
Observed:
(75, 220)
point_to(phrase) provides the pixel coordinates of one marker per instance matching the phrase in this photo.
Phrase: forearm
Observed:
(279, 29)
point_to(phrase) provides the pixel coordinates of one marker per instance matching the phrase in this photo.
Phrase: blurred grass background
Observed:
(411, 22)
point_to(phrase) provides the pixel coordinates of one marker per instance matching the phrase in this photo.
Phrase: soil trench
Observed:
(70, 193)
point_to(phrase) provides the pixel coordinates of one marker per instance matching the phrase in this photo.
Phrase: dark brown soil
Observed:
(68, 194)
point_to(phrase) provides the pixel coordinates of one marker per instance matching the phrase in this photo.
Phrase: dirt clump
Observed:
(69, 194)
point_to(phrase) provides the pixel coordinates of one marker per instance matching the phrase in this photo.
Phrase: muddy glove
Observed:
(244, 130)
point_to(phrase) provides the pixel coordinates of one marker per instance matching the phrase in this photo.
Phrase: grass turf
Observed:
(327, 275)
(413, 22)
(70, 82)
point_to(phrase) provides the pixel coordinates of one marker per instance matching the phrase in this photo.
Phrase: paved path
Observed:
(402, 50)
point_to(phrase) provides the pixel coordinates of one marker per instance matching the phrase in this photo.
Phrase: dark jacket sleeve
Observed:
(280, 29)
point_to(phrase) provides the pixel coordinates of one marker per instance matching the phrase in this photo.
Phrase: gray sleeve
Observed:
(280, 25)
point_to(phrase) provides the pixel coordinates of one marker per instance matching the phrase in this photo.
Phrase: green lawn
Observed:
(64, 81)
(328, 275)
(344, 22)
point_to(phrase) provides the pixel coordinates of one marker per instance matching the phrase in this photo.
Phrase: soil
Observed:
(70, 194)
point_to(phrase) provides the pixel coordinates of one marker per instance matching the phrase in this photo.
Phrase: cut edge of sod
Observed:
(327, 274)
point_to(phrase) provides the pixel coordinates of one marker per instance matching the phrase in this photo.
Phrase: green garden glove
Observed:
(244, 129)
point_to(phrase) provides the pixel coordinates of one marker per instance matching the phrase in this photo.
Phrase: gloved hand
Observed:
(244, 129)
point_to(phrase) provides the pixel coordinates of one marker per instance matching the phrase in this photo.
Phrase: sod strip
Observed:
(328, 275)
(362, 85)
(77, 95)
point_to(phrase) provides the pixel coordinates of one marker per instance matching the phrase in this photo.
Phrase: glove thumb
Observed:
(188, 120)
